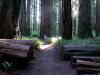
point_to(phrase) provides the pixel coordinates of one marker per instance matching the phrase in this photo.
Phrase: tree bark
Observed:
(45, 18)
(98, 18)
(28, 17)
(85, 19)
(67, 20)
(21, 42)
(15, 17)
(22, 18)
(26, 51)
(6, 21)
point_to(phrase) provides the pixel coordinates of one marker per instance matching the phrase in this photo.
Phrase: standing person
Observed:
(45, 38)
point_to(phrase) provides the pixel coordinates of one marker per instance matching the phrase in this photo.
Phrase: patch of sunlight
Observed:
(23, 38)
(45, 46)
(93, 33)
(38, 42)
(55, 39)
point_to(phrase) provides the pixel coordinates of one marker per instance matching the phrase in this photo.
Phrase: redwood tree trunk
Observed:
(67, 20)
(98, 17)
(22, 18)
(15, 16)
(6, 21)
(28, 17)
(85, 19)
(45, 18)
(9, 18)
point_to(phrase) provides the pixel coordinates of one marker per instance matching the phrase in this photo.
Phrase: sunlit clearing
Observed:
(45, 46)
(55, 39)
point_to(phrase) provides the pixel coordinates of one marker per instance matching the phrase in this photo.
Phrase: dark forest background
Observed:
(69, 19)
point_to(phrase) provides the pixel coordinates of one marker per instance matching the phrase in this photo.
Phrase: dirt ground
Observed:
(47, 62)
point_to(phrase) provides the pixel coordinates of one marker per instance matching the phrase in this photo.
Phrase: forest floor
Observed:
(47, 62)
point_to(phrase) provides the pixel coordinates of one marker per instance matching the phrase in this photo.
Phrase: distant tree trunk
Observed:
(42, 20)
(45, 18)
(28, 17)
(85, 19)
(67, 20)
(98, 17)
(60, 19)
(6, 21)
(15, 17)
(35, 15)
(1, 5)
(23, 18)
(93, 17)
(75, 18)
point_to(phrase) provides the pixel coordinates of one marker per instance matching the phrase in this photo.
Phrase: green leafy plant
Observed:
(37, 43)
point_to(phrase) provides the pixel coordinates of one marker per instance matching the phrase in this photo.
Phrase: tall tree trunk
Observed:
(85, 19)
(67, 20)
(35, 15)
(45, 18)
(6, 21)
(93, 17)
(28, 17)
(60, 19)
(98, 17)
(15, 17)
(1, 5)
(42, 20)
(23, 18)
(75, 18)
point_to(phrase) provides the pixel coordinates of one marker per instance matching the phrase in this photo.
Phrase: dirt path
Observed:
(47, 62)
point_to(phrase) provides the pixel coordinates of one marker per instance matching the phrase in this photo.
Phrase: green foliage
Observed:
(48, 41)
(37, 42)
(5, 66)
(80, 42)
(35, 34)
(53, 40)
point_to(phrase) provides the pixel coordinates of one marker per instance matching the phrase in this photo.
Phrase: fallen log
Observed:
(87, 66)
(18, 50)
(89, 70)
(22, 42)
(70, 50)
(89, 58)
(88, 63)
(14, 53)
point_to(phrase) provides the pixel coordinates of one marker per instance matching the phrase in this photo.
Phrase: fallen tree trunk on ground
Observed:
(22, 42)
(90, 58)
(85, 59)
(74, 50)
(86, 64)
(21, 51)
(88, 70)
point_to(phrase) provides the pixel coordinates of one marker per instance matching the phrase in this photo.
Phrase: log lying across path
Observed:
(22, 42)
(16, 50)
